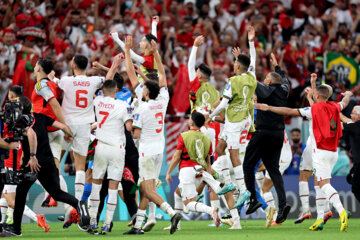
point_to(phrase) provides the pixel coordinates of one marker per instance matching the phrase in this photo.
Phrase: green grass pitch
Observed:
(252, 230)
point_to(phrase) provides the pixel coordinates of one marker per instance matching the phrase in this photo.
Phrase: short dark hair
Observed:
(17, 90)
(119, 80)
(153, 77)
(276, 78)
(150, 37)
(205, 70)
(153, 88)
(323, 91)
(109, 85)
(81, 61)
(27, 105)
(244, 61)
(198, 119)
(46, 65)
(295, 130)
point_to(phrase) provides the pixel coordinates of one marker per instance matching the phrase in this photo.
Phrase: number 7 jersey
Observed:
(150, 117)
(77, 104)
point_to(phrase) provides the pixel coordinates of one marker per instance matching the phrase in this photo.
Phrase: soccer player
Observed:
(44, 98)
(193, 154)
(237, 99)
(148, 127)
(148, 64)
(325, 117)
(109, 156)
(77, 106)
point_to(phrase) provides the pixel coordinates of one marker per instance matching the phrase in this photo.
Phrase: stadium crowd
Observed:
(293, 46)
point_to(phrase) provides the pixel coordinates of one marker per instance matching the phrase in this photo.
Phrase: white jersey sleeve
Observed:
(137, 122)
(227, 93)
(305, 112)
(42, 89)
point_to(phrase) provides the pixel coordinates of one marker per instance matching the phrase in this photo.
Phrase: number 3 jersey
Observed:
(149, 117)
(111, 115)
(77, 104)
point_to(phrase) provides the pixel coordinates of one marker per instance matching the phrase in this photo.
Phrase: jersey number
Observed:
(81, 102)
(160, 117)
(106, 114)
(243, 136)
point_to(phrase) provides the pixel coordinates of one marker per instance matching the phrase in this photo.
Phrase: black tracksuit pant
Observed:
(49, 179)
(265, 144)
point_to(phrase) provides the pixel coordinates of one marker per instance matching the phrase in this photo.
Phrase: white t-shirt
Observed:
(77, 104)
(10, 55)
(150, 117)
(5, 85)
(111, 115)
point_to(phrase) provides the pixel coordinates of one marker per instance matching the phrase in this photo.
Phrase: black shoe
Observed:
(11, 230)
(174, 222)
(282, 214)
(61, 218)
(111, 226)
(253, 206)
(134, 231)
(84, 215)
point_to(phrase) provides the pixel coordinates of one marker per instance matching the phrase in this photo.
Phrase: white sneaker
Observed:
(270, 211)
(227, 221)
(168, 228)
(236, 226)
(149, 225)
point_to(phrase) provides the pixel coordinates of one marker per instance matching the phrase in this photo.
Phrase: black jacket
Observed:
(273, 95)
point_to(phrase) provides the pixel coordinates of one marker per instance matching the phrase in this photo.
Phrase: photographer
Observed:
(38, 161)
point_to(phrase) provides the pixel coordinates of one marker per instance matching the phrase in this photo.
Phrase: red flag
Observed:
(180, 99)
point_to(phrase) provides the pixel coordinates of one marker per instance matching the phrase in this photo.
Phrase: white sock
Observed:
(235, 216)
(320, 202)
(239, 179)
(179, 205)
(260, 177)
(140, 215)
(215, 203)
(152, 209)
(167, 208)
(199, 207)
(224, 201)
(111, 206)
(225, 168)
(304, 195)
(30, 214)
(327, 206)
(4, 208)
(333, 197)
(79, 184)
(63, 185)
(10, 213)
(269, 199)
(236, 194)
(94, 200)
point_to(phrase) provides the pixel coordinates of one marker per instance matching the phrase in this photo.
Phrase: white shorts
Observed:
(150, 167)
(284, 163)
(81, 141)
(56, 140)
(235, 134)
(323, 163)
(108, 159)
(306, 162)
(9, 188)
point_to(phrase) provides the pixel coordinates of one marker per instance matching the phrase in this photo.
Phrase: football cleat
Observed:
(302, 217)
(242, 199)
(328, 215)
(270, 211)
(215, 216)
(318, 225)
(42, 222)
(344, 216)
(227, 188)
(148, 226)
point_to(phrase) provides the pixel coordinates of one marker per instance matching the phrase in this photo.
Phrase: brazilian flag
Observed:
(345, 66)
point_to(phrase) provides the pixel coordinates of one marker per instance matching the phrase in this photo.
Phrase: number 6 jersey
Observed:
(77, 104)
(150, 117)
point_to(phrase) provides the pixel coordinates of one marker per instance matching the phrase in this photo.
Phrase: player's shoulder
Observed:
(43, 83)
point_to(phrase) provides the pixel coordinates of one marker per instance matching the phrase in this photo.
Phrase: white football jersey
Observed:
(77, 104)
(150, 117)
(111, 115)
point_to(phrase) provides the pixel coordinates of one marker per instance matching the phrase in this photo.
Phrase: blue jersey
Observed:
(124, 95)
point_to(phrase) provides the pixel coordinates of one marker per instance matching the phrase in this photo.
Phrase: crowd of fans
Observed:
(299, 32)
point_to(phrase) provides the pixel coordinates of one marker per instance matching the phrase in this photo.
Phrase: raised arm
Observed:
(278, 110)
(133, 55)
(192, 59)
(114, 66)
(251, 37)
(159, 64)
(128, 62)
(154, 23)
(346, 99)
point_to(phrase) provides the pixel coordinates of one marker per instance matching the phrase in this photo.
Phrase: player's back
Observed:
(150, 119)
(111, 115)
(78, 98)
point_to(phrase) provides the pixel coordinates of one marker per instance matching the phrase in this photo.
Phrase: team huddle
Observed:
(221, 148)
